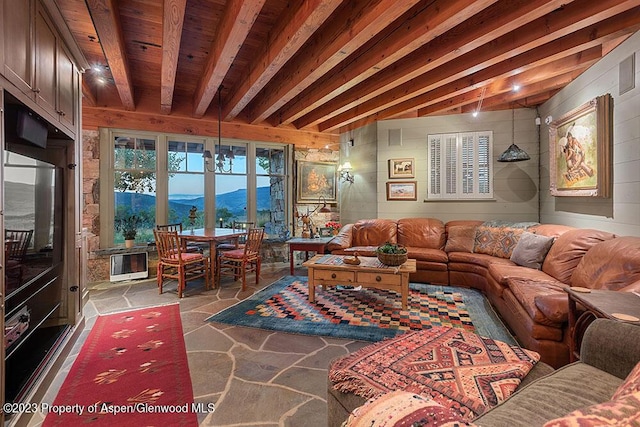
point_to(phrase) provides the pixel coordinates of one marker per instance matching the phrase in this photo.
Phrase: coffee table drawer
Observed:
(378, 278)
(334, 276)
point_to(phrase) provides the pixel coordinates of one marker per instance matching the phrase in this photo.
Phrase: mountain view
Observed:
(234, 201)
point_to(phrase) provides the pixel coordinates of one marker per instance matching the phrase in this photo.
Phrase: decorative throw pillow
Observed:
(496, 241)
(630, 385)
(401, 408)
(460, 238)
(620, 412)
(531, 250)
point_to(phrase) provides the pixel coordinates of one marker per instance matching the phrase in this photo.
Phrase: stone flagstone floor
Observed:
(254, 377)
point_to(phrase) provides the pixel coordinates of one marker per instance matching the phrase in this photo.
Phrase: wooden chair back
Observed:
(254, 242)
(168, 245)
(20, 241)
(177, 226)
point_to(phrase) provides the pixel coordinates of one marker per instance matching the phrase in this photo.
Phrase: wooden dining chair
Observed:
(239, 262)
(16, 245)
(236, 242)
(175, 263)
(177, 226)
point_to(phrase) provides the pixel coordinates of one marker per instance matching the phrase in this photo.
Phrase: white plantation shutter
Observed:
(434, 150)
(460, 165)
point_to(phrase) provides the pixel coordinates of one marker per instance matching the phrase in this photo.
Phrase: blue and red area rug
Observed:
(363, 314)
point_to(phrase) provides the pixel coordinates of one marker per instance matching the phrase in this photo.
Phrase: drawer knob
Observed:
(378, 279)
(333, 276)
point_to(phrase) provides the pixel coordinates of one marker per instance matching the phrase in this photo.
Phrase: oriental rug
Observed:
(132, 370)
(461, 371)
(363, 314)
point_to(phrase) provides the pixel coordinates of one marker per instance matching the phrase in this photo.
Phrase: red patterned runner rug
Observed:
(131, 371)
(459, 370)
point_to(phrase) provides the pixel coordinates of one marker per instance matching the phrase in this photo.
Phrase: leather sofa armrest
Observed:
(634, 287)
(342, 240)
(611, 346)
(555, 307)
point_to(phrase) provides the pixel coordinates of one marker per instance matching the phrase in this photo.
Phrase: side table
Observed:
(301, 244)
(621, 306)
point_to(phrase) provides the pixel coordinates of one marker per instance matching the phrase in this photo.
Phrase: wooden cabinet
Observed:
(37, 62)
(17, 43)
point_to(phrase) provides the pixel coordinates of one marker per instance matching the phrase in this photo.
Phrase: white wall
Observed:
(515, 184)
(358, 200)
(619, 213)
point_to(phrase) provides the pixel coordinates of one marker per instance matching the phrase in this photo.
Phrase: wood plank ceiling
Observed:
(307, 70)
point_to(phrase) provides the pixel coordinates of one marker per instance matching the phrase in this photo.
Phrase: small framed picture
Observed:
(325, 231)
(401, 168)
(405, 190)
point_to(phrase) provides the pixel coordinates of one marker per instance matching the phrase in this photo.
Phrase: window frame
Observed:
(107, 169)
(447, 180)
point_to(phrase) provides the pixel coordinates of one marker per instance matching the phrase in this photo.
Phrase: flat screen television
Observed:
(129, 266)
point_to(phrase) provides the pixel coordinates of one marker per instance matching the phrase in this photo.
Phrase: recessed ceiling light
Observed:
(516, 88)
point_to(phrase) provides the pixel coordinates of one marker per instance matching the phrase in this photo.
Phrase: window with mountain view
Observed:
(134, 166)
(159, 179)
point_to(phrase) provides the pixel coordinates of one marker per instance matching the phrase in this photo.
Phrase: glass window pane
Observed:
(186, 191)
(231, 199)
(134, 189)
(232, 160)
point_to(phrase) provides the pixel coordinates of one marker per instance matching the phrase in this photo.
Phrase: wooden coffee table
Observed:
(329, 270)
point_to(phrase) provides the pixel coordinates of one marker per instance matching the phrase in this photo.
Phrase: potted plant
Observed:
(392, 254)
(128, 226)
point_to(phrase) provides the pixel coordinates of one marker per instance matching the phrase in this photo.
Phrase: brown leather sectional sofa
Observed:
(477, 254)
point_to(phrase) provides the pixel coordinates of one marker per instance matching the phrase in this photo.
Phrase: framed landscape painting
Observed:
(580, 150)
(316, 180)
(402, 190)
(401, 168)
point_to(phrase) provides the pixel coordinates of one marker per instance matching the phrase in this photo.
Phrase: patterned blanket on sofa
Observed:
(459, 370)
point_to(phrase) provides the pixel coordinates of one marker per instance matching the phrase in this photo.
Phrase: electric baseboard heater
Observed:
(129, 266)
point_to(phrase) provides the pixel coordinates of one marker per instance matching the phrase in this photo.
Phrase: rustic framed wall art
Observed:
(401, 168)
(402, 190)
(580, 150)
(315, 180)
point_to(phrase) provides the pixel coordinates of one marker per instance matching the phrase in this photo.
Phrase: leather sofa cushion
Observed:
(526, 291)
(374, 232)
(421, 232)
(496, 241)
(612, 264)
(501, 272)
(568, 249)
(550, 230)
(426, 254)
(342, 240)
(480, 259)
(460, 238)
(554, 306)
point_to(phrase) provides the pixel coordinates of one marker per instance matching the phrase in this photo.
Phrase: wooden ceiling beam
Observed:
(106, 20)
(93, 118)
(172, 21)
(512, 52)
(536, 90)
(494, 21)
(332, 44)
(292, 31)
(234, 27)
(88, 94)
(537, 80)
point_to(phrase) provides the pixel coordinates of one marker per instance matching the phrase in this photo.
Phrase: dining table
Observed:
(212, 236)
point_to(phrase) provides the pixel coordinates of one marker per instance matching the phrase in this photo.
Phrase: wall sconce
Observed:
(345, 172)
